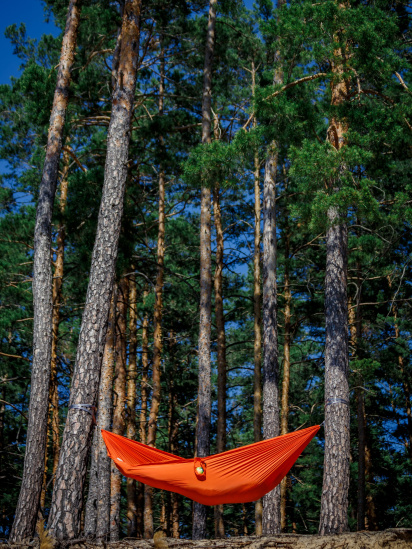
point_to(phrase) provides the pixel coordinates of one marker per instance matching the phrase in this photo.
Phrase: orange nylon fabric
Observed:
(236, 476)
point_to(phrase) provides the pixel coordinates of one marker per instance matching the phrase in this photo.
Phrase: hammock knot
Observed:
(89, 408)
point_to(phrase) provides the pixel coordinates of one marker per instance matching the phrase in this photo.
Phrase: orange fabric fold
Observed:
(236, 476)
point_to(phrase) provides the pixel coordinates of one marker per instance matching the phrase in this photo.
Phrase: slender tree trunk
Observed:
(90, 514)
(221, 350)
(271, 501)
(334, 505)
(371, 522)
(131, 403)
(105, 404)
(29, 499)
(157, 324)
(119, 411)
(173, 432)
(204, 400)
(64, 520)
(257, 316)
(286, 377)
(143, 408)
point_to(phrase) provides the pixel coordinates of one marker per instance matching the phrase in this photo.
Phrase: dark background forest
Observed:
(273, 80)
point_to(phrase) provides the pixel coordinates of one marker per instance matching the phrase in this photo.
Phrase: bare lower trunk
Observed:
(131, 403)
(64, 520)
(204, 399)
(221, 350)
(29, 499)
(334, 504)
(271, 501)
(105, 406)
(143, 405)
(257, 319)
(90, 514)
(119, 411)
(371, 522)
(286, 379)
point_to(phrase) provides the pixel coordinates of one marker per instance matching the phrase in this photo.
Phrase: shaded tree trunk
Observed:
(29, 498)
(143, 406)
(271, 501)
(119, 411)
(157, 324)
(90, 514)
(105, 404)
(334, 504)
(257, 317)
(221, 349)
(131, 403)
(286, 377)
(64, 520)
(204, 393)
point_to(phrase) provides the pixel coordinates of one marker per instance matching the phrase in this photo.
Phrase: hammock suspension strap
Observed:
(336, 400)
(89, 408)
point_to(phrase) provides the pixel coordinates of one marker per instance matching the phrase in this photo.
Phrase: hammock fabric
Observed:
(237, 476)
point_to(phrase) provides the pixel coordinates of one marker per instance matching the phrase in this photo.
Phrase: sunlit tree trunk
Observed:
(64, 519)
(36, 440)
(204, 393)
(119, 407)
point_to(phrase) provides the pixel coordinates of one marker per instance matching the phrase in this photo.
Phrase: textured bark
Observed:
(334, 504)
(204, 398)
(221, 349)
(173, 432)
(119, 406)
(157, 326)
(257, 317)
(286, 377)
(29, 498)
(64, 520)
(131, 403)
(143, 404)
(105, 405)
(90, 515)
(271, 501)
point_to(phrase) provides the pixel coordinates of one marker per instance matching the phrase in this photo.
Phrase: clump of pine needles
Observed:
(159, 540)
(46, 540)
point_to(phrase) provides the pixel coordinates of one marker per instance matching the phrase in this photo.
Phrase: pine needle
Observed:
(46, 540)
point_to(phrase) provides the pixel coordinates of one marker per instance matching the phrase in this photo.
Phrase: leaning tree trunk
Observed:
(221, 350)
(334, 503)
(105, 405)
(131, 403)
(119, 397)
(157, 323)
(271, 501)
(29, 498)
(204, 400)
(64, 520)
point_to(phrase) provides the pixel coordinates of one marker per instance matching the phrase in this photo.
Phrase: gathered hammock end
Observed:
(236, 476)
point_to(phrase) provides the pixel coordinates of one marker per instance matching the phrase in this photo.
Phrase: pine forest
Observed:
(205, 242)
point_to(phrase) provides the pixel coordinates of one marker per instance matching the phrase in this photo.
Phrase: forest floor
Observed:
(396, 538)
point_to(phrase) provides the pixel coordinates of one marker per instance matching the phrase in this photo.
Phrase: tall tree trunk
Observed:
(119, 411)
(90, 512)
(131, 403)
(257, 317)
(29, 498)
(334, 504)
(157, 322)
(144, 392)
(271, 501)
(105, 404)
(286, 376)
(221, 349)
(371, 522)
(64, 520)
(204, 400)
(173, 432)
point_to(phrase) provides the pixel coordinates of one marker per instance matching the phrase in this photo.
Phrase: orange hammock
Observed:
(237, 476)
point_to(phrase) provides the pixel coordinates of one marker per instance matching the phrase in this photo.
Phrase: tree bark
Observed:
(131, 403)
(64, 520)
(29, 498)
(143, 405)
(334, 504)
(284, 429)
(105, 404)
(90, 515)
(257, 317)
(119, 411)
(157, 323)
(204, 399)
(221, 349)
(271, 501)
